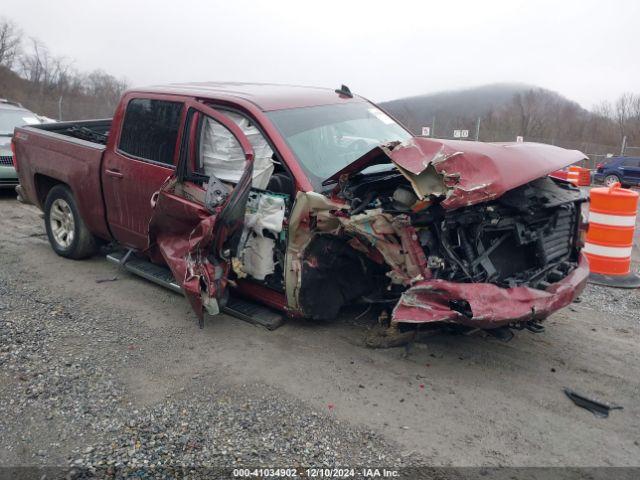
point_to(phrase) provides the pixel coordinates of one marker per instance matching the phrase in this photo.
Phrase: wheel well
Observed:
(335, 274)
(44, 184)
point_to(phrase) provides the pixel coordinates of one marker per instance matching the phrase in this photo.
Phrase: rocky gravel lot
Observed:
(116, 376)
(63, 402)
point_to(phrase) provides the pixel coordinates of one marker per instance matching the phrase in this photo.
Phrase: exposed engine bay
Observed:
(380, 239)
(384, 239)
(523, 238)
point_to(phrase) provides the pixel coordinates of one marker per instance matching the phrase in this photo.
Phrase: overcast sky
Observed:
(586, 50)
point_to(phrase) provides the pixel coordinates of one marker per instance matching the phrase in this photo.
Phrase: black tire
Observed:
(82, 243)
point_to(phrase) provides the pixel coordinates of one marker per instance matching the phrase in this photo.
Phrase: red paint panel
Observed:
(473, 172)
(75, 163)
(266, 295)
(264, 96)
(127, 196)
(186, 254)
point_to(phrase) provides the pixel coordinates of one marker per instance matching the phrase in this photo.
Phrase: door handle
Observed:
(114, 173)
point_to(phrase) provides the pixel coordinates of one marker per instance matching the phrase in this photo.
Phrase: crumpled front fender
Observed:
(491, 306)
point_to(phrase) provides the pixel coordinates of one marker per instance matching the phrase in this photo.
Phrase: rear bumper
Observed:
(492, 306)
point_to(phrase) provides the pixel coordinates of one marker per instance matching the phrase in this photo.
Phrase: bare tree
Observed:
(43, 69)
(33, 63)
(532, 109)
(10, 41)
(622, 112)
(104, 87)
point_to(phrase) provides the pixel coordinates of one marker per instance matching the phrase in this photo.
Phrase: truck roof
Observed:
(266, 96)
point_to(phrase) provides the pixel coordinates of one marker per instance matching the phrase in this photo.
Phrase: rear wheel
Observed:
(611, 179)
(67, 232)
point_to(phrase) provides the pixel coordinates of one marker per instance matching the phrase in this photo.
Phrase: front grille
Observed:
(558, 241)
(527, 237)
(6, 160)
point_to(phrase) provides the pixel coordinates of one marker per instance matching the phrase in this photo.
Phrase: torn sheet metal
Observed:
(307, 204)
(394, 239)
(465, 173)
(183, 236)
(490, 306)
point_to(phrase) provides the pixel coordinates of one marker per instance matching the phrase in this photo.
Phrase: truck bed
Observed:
(94, 131)
(68, 153)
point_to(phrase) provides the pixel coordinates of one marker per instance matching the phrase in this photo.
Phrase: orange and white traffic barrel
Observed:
(584, 177)
(609, 242)
(560, 174)
(573, 175)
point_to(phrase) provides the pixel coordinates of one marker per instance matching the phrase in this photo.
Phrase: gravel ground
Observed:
(613, 301)
(71, 398)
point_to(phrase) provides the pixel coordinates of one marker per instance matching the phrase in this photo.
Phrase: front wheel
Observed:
(67, 232)
(611, 179)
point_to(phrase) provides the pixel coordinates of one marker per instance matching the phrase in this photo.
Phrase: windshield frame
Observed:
(315, 180)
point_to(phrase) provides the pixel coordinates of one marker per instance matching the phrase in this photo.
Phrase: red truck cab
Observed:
(308, 199)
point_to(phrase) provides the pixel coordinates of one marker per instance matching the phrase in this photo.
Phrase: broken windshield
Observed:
(327, 138)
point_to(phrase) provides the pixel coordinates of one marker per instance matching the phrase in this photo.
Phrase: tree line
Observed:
(503, 112)
(48, 84)
(535, 114)
(539, 114)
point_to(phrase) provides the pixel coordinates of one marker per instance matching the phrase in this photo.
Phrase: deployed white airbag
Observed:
(265, 213)
(257, 256)
(222, 156)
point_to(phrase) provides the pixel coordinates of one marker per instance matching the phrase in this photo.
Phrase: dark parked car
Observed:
(625, 170)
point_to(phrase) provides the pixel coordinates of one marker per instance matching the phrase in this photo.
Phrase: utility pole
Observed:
(433, 126)
(478, 129)
(624, 146)
(60, 108)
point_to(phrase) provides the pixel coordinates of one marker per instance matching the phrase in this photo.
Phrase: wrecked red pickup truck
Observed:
(306, 200)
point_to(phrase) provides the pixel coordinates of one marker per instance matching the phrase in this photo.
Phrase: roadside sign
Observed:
(460, 133)
(519, 139)
(426, 131)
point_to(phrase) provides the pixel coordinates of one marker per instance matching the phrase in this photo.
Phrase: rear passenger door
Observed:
(141, 159)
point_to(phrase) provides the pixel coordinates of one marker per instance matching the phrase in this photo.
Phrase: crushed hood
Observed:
(465, 173)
